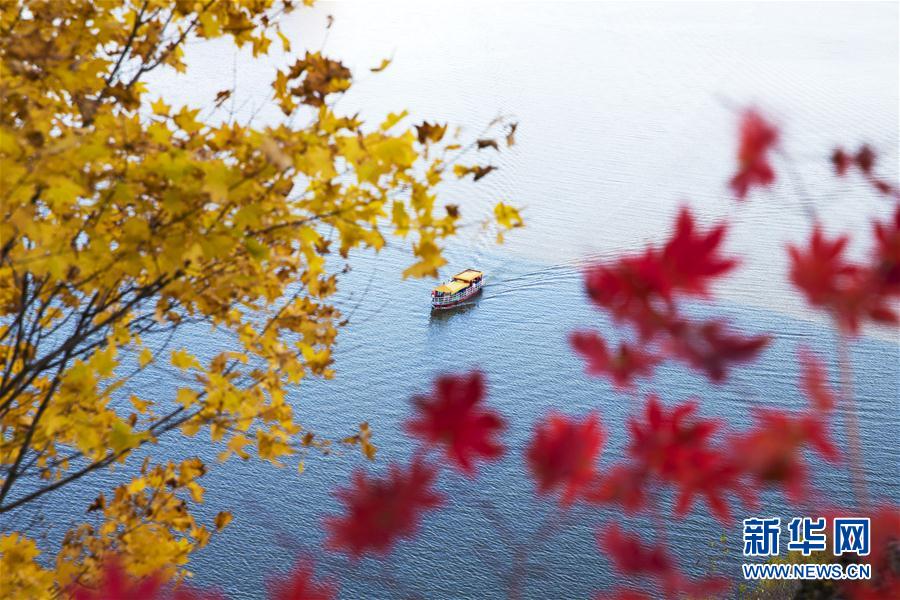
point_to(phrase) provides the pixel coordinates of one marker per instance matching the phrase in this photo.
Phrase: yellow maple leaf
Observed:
(507, 216)
(160, 107)
(186, 397)
(182, 359)
(223, 519)
(145, 357)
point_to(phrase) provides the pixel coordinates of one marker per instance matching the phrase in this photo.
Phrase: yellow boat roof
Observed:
(452, 287)
(469, 275)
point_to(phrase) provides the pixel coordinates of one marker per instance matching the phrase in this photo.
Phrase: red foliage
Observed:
(711, 349)
(884, 556)
(841, 161)
(663, 443)
(672, 448)
(885, 586)
(851, 293)
(887, 254)
(813, 382)
(864, 160)
(381, 511)
(772, 451)
(675, 446)
(757, 137)
(641, 290)
(623, 366)
(885, 188)
(454, 417)
(621, 484)
(119, 585)
(638, 289)
(629, 555)
(300, 584)
(635, 290)
(820, 270)
(562, 455)
(691, 259)
(885, 541)
(633, 558)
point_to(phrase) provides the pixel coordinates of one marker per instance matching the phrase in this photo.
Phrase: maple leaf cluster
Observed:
(674, 448)
(453, 424)
(454, 419)
(699, 457)
(563, 454)
(851, 292)
(379, 511)
(642, 290)
(635, 559)
(862, 160)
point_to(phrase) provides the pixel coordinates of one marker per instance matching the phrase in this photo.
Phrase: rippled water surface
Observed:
(626, 111)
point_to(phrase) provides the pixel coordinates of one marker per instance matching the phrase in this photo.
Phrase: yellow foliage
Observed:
(507, 217)
(127, 216)
(20, 575)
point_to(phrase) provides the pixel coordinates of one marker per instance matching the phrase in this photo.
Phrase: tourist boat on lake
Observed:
(462, 287)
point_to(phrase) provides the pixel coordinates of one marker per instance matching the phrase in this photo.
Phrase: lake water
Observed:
(626, 111)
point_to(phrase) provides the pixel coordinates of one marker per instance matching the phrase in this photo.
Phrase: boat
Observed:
(456, 291)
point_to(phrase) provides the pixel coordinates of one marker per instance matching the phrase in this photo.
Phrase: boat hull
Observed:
(457, 299)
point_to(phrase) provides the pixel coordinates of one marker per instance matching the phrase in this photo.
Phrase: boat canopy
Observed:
(469, 275)
(451, 287)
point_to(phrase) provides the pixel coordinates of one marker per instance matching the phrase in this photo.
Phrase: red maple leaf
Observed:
(772, 450)
(622, 367)
(757, 136)
(116, 584)
(636, 559)
(455, 418)
(709, 347)
(634, 289)
(639, 289)
(841, 161)
(849, 292)
(819, 270)
(884, 546)
(621, 484)
(630, 556)
(713, 475)
(865, 159)
(663, 441)
(300, 584)
(887, 254)
(562, 455)
(675, 445)
(379, 511)
(690, 258)
(887, 585)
